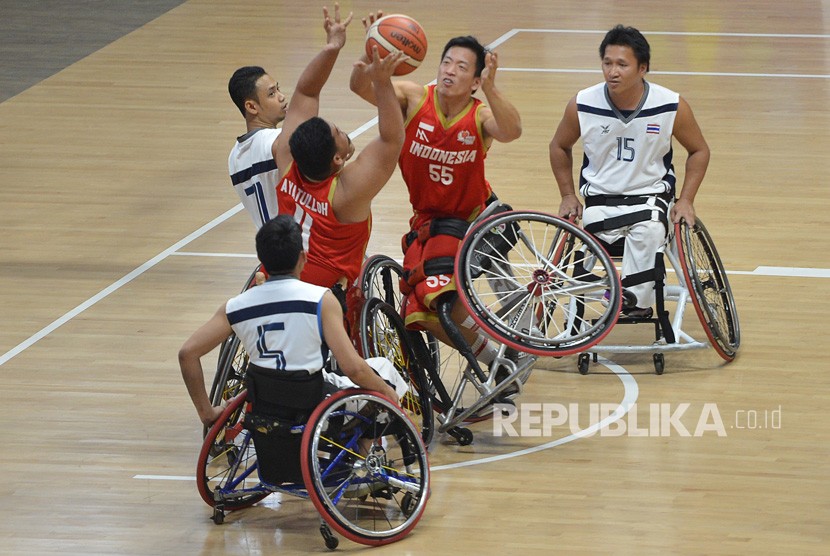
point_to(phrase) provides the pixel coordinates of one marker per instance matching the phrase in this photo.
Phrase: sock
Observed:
(484, 350)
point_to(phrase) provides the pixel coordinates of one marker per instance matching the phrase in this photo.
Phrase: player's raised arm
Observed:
(305, 102)
(361, 83)
(373, 167)
(505, 123)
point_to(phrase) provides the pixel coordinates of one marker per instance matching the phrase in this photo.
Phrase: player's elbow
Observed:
(361, 87)
(508, 133)
(398, 139)
(700, 155)
(393, 140)
(515, 133)
(186, 355)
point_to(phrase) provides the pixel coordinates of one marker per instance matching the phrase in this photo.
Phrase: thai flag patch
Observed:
(653, 128)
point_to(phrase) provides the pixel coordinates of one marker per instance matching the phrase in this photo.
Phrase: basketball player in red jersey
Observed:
(448, 133)
(331, 201)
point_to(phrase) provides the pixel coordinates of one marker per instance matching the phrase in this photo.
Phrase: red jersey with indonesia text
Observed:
(334, 249)
(442, 161)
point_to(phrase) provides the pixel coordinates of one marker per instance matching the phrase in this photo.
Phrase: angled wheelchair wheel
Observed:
(230, 371)
(227, 462)
(365, 467)
(232, 362)
(707, 282)
(538, 283)
(380, 277)
(383, 334)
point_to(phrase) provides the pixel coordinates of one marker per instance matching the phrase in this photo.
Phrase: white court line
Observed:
(791, 272)
(229, 255)
(701, 73)
(161, 256)
(679, 33)
(116, 286)
(632, 392)
(782, 271)
(165, 477)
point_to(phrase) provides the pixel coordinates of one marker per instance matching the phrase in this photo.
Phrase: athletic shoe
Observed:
(638, 313)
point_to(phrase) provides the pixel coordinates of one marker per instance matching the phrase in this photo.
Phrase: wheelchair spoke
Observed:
(375, 492)
(712, 296)
(537, 283)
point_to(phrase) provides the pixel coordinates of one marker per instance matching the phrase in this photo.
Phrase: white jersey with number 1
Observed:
(254, 175)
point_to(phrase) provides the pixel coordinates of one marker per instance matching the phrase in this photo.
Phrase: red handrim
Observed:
(308, 478)
(201, 480)
(542, 352)
(699, 309)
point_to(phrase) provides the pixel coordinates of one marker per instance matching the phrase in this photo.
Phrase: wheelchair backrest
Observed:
(280, 401)
(287, 395)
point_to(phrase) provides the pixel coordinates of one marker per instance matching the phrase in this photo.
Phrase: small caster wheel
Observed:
(328, 537)
(583, 363)
(218, 516)
(408, 504)
(659, 363)
(462, 435)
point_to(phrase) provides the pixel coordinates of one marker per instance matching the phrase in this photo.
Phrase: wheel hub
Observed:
(540, 279)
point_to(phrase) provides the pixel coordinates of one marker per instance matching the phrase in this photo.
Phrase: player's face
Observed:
(272, 103)
(621, 70)
(457, 72)
(343, 145)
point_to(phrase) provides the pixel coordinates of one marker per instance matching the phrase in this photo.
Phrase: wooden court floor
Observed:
(121, 234)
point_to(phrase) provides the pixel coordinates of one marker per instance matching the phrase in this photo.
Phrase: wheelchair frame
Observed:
(569, 283)
(502, 298)
(371, 496)
(453, 406)
(702, 281)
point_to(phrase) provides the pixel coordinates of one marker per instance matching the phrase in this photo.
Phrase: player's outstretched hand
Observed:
(382, 68)
(371, 18)
(491, 64)
(334, 27)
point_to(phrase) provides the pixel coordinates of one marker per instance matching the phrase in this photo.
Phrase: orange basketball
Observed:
(398, 32)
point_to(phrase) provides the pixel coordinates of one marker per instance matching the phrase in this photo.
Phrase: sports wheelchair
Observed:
(356, 455)
(525, 279)
(701, 280)
(542, 286)
(378, 333)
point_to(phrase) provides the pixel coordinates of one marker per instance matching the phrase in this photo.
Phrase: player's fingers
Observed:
(398, 59)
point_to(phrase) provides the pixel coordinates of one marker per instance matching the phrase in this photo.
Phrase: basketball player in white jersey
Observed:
(286, 325)
(627, 178)
(252, 162)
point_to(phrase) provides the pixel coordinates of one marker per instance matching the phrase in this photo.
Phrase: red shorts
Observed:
(419, 304)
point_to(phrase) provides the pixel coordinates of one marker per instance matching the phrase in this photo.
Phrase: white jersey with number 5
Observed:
(279, 324)
(628, 152)
(253, 172)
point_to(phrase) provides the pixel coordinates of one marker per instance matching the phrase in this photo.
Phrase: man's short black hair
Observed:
(279, 244)
(242, 85)
(472, 43)
(631, 37)
(313, 148)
